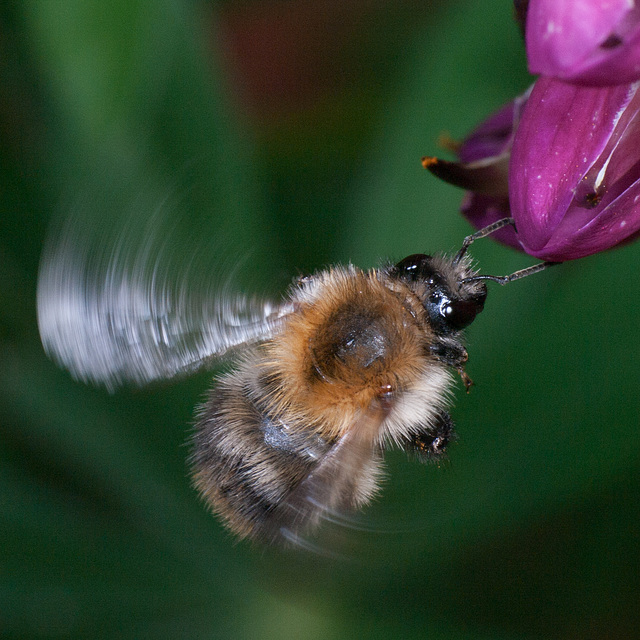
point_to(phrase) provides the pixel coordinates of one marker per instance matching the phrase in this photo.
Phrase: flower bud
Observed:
(574, 175)
(590, 42)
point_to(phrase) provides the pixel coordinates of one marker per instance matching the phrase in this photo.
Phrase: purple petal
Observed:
(484, 154)
(614, 225)
(491, 137)
(594, 42)
(488, 176)
(482, 210)
(483, 170)
(575, 169)
(520, 8)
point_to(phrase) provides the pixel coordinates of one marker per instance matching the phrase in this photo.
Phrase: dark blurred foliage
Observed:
(295, 130)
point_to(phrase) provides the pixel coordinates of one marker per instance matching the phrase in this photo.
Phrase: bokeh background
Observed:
(294, 130)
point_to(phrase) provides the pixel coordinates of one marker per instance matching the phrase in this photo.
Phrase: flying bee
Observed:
(350, 363)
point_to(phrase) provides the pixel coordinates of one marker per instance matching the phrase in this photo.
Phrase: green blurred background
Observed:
(294, 130)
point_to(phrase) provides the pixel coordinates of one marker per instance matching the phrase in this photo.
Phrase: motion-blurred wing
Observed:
(126, 310)
(343, 479)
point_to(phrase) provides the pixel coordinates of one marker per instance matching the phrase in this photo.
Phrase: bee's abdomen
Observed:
(246, 461)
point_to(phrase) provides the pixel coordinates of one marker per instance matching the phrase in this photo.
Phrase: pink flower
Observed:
(574, 175)
(573, 169)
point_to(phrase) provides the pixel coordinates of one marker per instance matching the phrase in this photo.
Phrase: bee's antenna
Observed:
(487, 231)
(516, 275)
(483, 233)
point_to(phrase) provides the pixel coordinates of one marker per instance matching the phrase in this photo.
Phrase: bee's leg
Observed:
(466, 380)
(430, 443)
(449, 351)
(453, 354)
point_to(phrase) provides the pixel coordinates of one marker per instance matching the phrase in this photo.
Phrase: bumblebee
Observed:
(350, 363)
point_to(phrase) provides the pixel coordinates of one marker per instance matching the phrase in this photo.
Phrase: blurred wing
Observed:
(124, 310)
(340, 481)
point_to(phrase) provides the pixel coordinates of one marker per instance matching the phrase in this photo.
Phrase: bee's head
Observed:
(451, 301)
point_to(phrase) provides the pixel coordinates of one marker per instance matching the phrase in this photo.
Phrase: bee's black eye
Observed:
(459, 314)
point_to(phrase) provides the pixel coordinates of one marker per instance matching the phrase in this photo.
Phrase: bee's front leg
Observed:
(453, 354)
